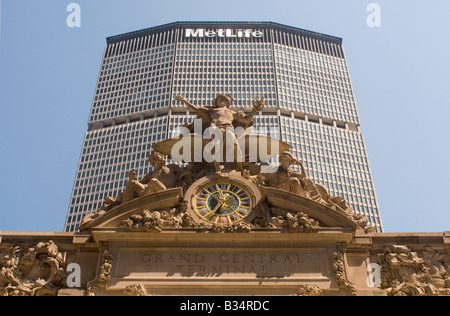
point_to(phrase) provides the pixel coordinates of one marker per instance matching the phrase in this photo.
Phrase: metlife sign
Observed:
(226, 33)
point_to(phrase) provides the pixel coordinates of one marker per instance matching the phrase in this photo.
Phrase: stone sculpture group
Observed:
(286, 204)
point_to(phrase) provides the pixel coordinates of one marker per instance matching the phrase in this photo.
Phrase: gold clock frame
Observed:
(235, 178)
(233, 202)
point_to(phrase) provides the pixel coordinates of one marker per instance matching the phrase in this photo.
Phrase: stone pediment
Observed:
(326, 216)
(113, 219)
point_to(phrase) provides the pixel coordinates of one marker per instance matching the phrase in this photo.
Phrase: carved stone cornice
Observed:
(446, 238)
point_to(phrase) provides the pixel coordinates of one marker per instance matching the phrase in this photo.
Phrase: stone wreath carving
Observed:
(104, 275)
(39, 271)
(405, 273)
(272, 218)
(341, 276)
(309, 290)
(153, 221)
(266, 218)
(301, 223)
(136, 290)
(295, 222)
(187, 221)
(146, 222)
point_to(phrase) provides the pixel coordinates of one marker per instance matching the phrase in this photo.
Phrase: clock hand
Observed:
(215, 198)
(222, 207)
(219, 205)
(220, 192)
(210, 216)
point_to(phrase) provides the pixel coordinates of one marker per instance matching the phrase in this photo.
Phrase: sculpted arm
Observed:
(258, 106)
(192, 107)
(302, 167)
(146, 179)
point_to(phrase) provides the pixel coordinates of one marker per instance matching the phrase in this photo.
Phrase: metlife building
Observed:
(303, 76)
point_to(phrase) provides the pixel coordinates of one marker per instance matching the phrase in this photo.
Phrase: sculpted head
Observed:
(157, 160)
(223, 101)
(132, 175)
(287, 159)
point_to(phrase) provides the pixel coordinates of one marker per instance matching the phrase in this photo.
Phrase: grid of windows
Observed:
(107, 156)
(267, 125)
(244, 70)
(336, 158)
(302, 75)
(133, 83)
(314, 83)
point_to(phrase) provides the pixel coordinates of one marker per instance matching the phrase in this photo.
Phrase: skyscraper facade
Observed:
(303, 76)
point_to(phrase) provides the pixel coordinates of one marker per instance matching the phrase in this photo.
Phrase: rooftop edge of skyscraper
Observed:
(223, 24)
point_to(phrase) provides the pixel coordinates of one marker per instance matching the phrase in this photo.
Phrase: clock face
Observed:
(222, 203)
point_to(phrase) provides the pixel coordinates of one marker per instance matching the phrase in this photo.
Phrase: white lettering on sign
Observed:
(228, 33)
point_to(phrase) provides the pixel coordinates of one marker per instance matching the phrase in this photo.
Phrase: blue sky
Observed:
(400, 74)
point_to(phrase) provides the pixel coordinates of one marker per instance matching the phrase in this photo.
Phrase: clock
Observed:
(222, 203)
